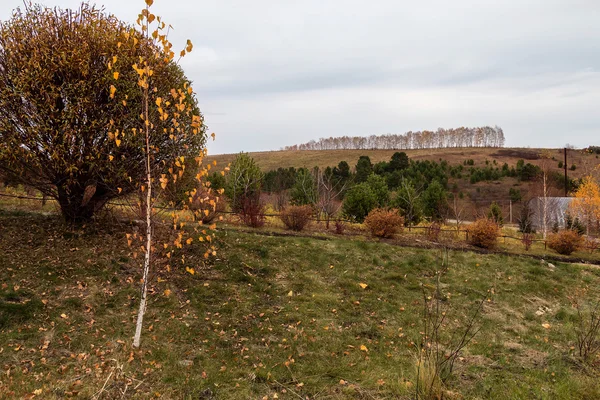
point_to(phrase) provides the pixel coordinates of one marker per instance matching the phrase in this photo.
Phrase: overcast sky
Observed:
(270, 73)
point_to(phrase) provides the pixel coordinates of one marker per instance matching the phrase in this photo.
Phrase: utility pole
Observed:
(566, 178)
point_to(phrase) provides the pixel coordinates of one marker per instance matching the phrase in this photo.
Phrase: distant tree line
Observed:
(485, 136)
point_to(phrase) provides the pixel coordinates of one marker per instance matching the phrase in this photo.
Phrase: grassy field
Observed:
(276, 317)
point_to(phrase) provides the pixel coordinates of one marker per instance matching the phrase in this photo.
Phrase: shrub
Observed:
(527, 240)
(384, 222)
(340, 227)
(252, 212)
(483, 233)
(206, 205)
(296, 217)
(591, 244)
(243, 182)
(359, 201)
(495, 214)
(565, 242)
(433, 231)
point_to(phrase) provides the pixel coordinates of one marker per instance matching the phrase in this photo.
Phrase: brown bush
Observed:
(591, 244)
(206, 205)
(433, 231)
(527, 240)
(252, 212)
(483, 233)
(296, 217)
(565, 242)
(340, 227)
(384, 222)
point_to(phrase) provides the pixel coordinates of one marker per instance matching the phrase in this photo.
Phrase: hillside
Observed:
(269, 160)
(478, 195)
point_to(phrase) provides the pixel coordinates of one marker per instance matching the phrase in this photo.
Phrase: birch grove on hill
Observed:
(485, 136)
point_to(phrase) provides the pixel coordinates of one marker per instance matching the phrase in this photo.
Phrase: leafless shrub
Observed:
(440, 344)
(527, 240)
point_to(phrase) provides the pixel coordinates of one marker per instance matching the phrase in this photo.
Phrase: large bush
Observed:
(359, 201)
(483, 233)
(296, 217)
(565, 242)
(384, 223)
(60, 130)
(243, 183)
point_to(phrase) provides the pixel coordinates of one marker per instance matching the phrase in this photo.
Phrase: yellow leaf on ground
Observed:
(546, 325)
(167, 292)
(363, 285)
(190, 270)
(363, 348)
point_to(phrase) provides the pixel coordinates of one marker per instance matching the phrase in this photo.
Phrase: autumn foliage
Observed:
(565, 242)
(63, 131)
(384, 223)
(296, 217)
(483, 233)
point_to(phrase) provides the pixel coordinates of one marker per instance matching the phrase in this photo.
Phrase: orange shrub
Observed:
(483, 233)
(384, 222)
(565, 242)
(296, 217)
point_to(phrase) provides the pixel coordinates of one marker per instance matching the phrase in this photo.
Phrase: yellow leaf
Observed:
(190, 270)
(182, 53)
(167, 292)
(119, 190)
(116, 75)
(118, 142)
(64, 316)
(290, 293)
(149, 2)
(110, 158)
(363, 348)
(546, 325)
(158, 101)
(112, 91)
(363, 285)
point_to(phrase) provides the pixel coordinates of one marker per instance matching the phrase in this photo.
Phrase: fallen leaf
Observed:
(363, 285)
(363, 348)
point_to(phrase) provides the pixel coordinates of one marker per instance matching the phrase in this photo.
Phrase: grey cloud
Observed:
(274, 72)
